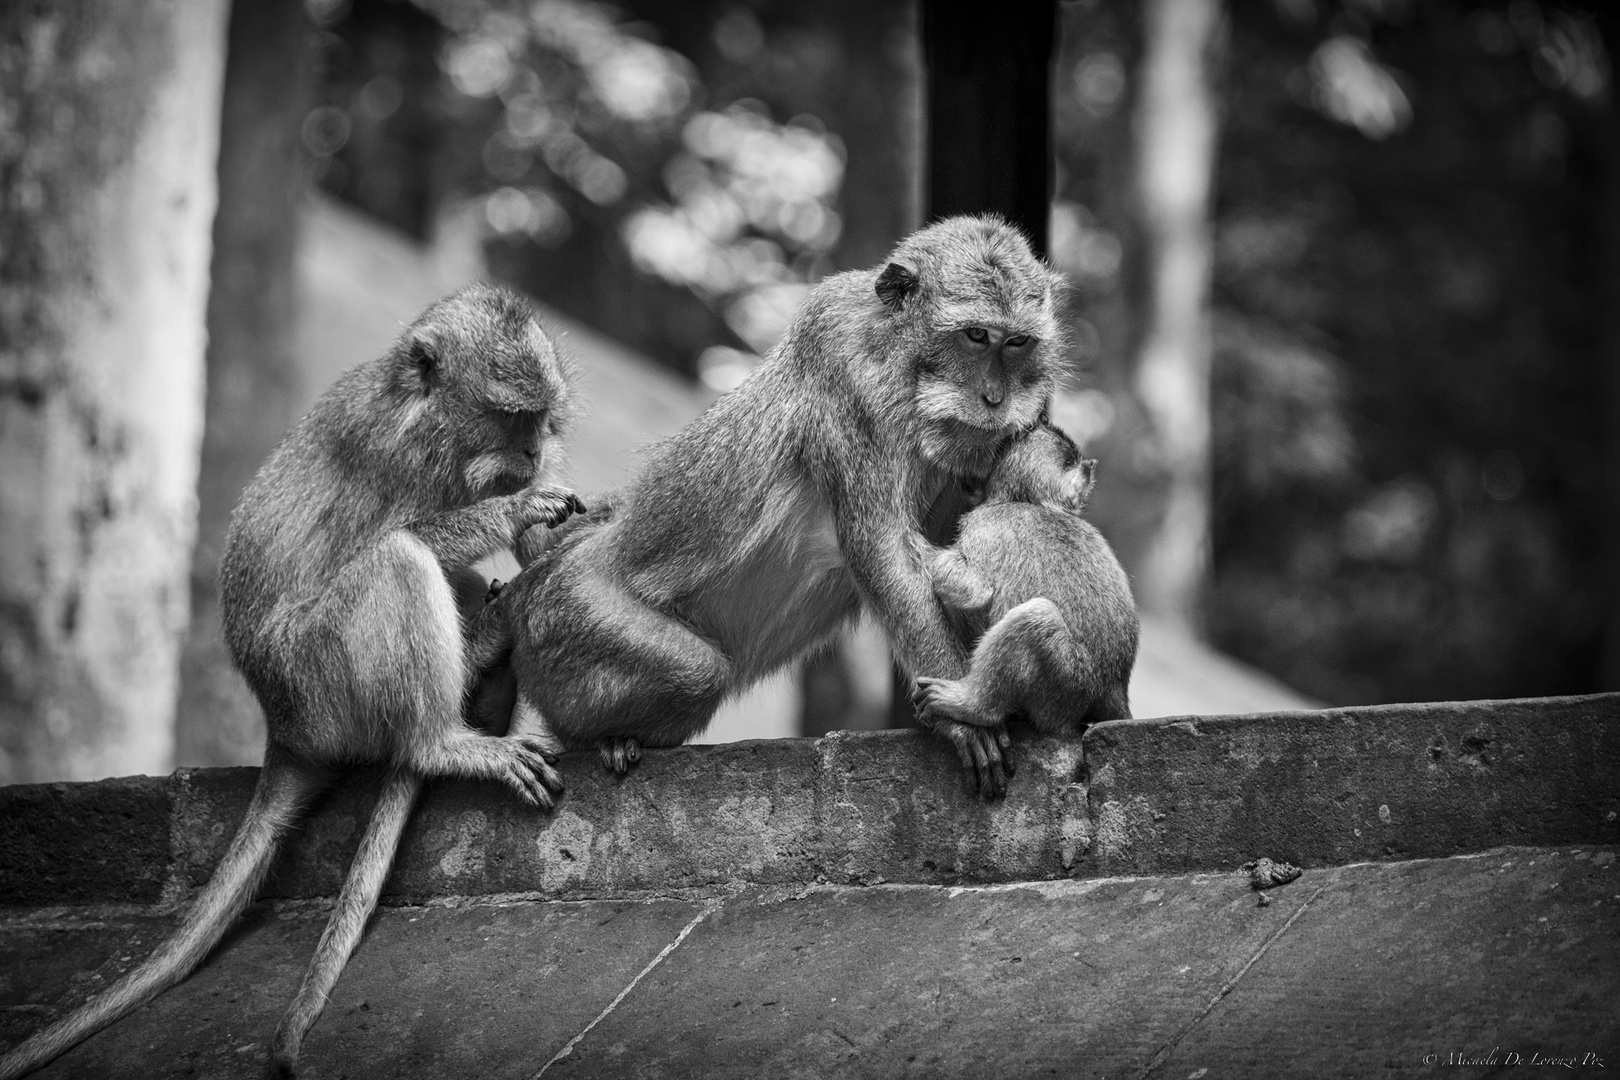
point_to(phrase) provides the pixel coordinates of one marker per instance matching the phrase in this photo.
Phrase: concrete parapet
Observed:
(1159, 796)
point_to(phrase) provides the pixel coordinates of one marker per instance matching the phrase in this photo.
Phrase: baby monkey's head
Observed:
(1042, 466)
(479, 373)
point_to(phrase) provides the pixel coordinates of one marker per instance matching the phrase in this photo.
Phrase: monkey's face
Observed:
(976, 309)
(983, 379)
(513, 453)
(483, 374)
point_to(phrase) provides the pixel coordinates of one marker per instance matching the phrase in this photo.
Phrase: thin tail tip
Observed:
(281, 1066)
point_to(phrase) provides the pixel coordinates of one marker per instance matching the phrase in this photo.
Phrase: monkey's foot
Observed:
(529, 772)
(982, 752)
(620, 753)
(981, 741)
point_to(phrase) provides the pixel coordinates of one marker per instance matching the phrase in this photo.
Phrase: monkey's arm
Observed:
(900, 591)
(459, 538)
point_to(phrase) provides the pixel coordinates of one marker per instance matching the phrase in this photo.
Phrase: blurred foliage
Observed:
(1405, 382)
(680, 198)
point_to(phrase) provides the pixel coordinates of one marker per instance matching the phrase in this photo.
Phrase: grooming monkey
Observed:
(1041, 592)
(752, 535)
(338, 611)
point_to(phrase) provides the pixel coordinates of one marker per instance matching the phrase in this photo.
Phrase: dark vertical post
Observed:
(989, 140)
(988, 109)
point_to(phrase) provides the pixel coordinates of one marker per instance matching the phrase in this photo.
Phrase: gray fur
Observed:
(338, 611)
(751, 536)
(1041, 592)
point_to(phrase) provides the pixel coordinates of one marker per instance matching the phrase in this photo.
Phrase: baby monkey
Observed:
(1042, 593)
(338, 609)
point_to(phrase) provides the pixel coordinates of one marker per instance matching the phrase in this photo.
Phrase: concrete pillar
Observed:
(109, 122)
(257, 388)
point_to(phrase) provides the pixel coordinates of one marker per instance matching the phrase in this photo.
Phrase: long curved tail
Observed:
(284, 788)
(354, 906)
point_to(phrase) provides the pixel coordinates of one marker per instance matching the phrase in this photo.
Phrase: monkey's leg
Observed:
(355, 904)
(406, 668)
(1028, 661)
(600, 665)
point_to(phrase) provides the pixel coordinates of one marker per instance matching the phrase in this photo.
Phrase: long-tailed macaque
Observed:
(339, 613)
(748, 538)
(1040, 592)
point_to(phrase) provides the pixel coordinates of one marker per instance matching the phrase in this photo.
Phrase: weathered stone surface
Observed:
(1342, 785)
(1354, 971)
(1314, 789)
(84, 843)
(899, 808)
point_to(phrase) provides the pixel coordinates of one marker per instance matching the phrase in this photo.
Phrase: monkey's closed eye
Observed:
(1018, 341)
(977, 334)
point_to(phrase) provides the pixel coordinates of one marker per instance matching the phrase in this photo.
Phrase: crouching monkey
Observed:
(750, 537)
(339, 613)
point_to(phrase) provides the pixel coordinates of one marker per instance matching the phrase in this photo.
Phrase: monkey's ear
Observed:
(422, 362)
(894, 284)
(1077, 485)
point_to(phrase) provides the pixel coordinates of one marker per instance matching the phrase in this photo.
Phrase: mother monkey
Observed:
(749, 537)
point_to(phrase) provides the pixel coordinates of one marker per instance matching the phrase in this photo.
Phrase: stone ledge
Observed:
(1159, 796)
(1349, 785)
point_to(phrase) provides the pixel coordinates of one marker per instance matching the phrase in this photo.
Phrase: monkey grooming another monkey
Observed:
(1040, 590)
(751, 536)
(339, 613)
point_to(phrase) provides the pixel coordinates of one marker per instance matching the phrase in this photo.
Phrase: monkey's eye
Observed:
(520, 424)
(977, 334)
(1017, 341)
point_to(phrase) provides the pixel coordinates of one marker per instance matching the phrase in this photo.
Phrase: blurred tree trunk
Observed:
(109, 121)
(1175, 125)
(256, 387)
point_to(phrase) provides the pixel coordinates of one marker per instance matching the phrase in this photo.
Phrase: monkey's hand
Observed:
(981, 740)
(620, 753)
(529, 772)
(545, 506)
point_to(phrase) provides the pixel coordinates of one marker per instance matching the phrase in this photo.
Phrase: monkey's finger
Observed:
(528, 788)
(980, 760)
(578, 504)
(613, 756)
(534, 761)
(954, 736)
(632, 750)
(535, 746)
(1004, 740)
